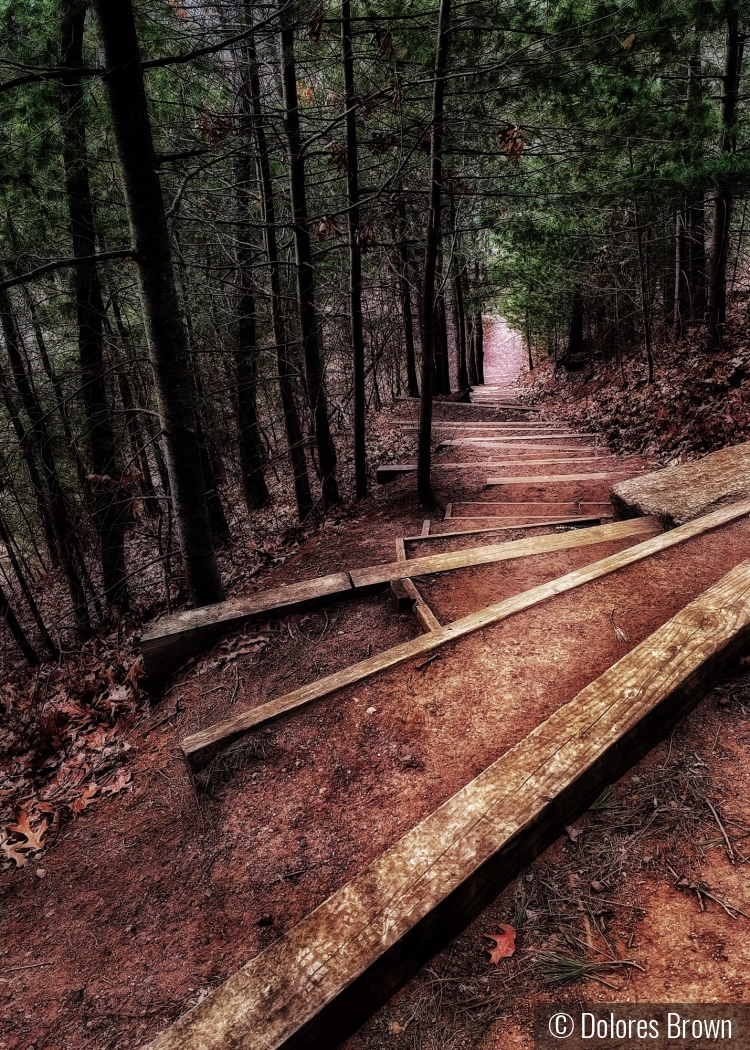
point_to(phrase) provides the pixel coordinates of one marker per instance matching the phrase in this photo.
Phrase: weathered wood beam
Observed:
(388, 471)
(379, 575)
(319, 982)
(580, 520)
(200, 748)
(173, 639)
(546, 479)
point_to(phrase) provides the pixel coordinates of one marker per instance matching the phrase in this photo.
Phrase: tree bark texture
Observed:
(165, 334)
(724, 197)
(355, 254)
(110, 501)
(292, 424)
(17, 631)
(412, 386)
(432, 239)
(479, 345)
(63, 529)
(254, 486)
(305, 278)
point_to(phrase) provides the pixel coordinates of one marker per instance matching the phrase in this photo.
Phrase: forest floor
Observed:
(147, 892)
(699, 400)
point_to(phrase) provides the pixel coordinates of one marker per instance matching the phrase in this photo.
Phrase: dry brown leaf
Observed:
(86, 798)
(11, 851)
(123, 780)
(505, 943)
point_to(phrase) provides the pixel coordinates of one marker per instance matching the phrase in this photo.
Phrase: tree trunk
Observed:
(644, 295)
(27, 592)
(472, 354)
(459, 318)
(528, 344)
(355, 255)
(479, 345)
(432, 241)
(304, 266)
(17, 631)
(724, 198)
(442, 363)
(681, 288)
(575, 332)
(412, 387)
(110, 508)
(292, 424)
(254, 486)
(42, 506)
(137, 420)
(63, 528)
(167, 345)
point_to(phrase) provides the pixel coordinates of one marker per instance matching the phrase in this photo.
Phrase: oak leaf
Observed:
(505, 943)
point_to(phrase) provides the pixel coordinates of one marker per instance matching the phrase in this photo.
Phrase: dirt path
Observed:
(150, 899)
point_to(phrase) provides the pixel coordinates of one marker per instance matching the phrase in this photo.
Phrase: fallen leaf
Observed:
(122, 781)
(11, 852)
(505, 943)
(34, 838)
(573, 833)
(85, 799)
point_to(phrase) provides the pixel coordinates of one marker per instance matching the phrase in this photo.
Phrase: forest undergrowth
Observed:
(68, 725)
(699, 401)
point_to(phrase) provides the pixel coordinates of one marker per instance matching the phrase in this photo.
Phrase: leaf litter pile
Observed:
(572, 917)
(64, 745)
(699, 400)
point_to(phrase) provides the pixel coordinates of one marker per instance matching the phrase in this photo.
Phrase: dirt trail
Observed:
(151, 899)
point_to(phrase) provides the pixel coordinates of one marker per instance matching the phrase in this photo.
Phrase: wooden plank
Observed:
(375, 576)
(545, 479)
(201, 748)
(387, 471)
(319, 982)
(175, 638)
(406, 598)
(402, 599)
(424, 614)
(580, 520)
(555, 504)
(400, 550)
(491, 426)
(509, 406)
(681, 493)
(520, 438)
(509, 439)
(449, 510)
(516, 519)
(426, 527)
(521, 461)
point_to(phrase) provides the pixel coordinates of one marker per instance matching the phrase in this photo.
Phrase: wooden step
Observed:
(174, 639)
(377, 576)
(388, 471)
(581, 519)
(319, 982)
(201, 748)
(557, 479)
(516, 507)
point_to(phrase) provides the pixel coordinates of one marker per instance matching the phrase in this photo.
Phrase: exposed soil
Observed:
(148, 898)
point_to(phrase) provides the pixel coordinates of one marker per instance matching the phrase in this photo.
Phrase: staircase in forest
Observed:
(533, 486)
